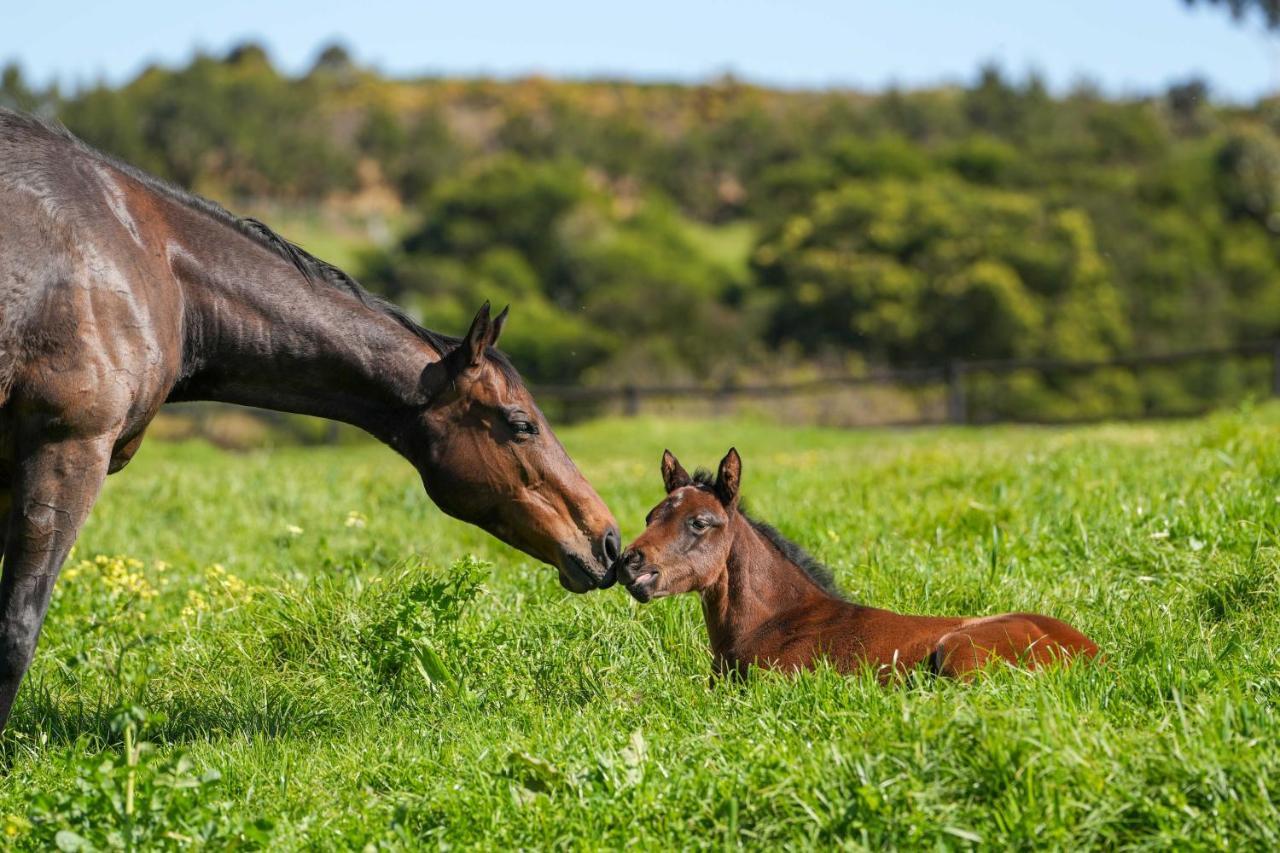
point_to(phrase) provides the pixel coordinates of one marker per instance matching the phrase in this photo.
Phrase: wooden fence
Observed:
(953, 385)
(960, 392)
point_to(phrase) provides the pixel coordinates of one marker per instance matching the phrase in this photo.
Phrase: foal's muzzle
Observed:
(637, 576)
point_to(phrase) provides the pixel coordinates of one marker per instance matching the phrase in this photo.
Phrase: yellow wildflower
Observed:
(196, 604)
(230, 585)
(118, 577)
(15, 825)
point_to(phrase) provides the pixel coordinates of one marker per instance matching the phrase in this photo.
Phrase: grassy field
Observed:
(295, 649)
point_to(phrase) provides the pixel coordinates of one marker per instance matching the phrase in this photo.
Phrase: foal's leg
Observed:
(1022, 639)
(55, 485)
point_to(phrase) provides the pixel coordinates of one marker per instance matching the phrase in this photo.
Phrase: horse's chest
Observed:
(99, 356)
(91, 369)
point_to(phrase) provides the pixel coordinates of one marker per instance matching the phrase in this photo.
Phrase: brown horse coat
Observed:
(119, 293)
(768, 604)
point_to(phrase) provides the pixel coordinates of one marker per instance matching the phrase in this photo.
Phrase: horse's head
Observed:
(687, 538)
(490, 458)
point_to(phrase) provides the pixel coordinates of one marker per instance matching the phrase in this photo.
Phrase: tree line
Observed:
(720, 231)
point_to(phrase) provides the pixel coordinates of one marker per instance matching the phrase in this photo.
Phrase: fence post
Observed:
(1275, 369)
(630, 401)
(723, 398)
(957, 405)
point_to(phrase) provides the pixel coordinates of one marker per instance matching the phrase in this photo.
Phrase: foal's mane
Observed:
(793, 553)
(312, 269)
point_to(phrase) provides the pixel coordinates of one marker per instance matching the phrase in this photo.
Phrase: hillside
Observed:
(725, 230)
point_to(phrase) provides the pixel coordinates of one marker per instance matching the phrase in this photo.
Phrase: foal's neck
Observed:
(257, 333)
(758, 583)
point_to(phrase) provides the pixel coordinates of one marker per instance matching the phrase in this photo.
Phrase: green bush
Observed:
(987, 220)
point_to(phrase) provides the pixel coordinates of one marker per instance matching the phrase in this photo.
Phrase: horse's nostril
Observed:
(612, 545)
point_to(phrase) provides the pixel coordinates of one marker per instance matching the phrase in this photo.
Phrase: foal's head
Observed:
(488, 456)
(686, 542)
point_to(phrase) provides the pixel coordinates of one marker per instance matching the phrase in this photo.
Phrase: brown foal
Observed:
(769, 604)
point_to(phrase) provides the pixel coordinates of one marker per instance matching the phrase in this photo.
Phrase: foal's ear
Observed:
(729, 478)
(673, 474)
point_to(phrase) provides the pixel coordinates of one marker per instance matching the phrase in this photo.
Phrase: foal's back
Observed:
(852, 636)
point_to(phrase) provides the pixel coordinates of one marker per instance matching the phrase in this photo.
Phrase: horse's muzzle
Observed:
(610, 551)
(582, 573)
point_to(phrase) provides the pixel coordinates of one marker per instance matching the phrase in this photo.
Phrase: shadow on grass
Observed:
(43, 720)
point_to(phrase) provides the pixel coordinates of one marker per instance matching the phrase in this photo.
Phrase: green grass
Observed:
(353, 694)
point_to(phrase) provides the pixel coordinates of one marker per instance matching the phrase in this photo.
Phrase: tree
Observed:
(248, 52)
(334, 59)
(1269, 9)
(1249, 176)
(926, 271)
(14, 91)
(606, 284)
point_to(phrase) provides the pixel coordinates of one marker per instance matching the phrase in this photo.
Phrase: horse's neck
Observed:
(257, 333)
(758, 584)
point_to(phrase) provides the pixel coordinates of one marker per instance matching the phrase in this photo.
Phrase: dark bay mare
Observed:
(119, 293)
(769, 604)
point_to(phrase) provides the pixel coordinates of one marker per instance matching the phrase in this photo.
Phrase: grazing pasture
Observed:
(294, 648)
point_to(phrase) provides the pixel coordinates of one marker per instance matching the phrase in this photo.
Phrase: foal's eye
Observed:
(698, 525)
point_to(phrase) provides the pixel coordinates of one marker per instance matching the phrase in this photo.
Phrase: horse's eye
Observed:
(698, 524)
(524, 428)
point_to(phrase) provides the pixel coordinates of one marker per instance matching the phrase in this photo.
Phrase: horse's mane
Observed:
(809, 564)
(312, 269)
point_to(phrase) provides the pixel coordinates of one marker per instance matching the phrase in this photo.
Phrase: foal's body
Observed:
(768, 611)
(770, 605)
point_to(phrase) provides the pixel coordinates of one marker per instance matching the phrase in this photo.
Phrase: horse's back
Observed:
(33, 259)
(84, 330)
(40, 235)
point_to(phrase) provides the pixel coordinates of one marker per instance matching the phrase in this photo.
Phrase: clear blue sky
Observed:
(1127, 46)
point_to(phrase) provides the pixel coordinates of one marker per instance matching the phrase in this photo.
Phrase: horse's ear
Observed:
(729, 478)
(498, 323)
(673, 474)
(462, 361)
(471, 350)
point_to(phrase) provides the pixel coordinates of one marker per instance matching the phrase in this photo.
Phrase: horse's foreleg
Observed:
(6, 501)
(54, 486)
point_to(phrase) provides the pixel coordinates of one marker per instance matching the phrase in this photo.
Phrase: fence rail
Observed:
(958, 392)
(955, 381)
